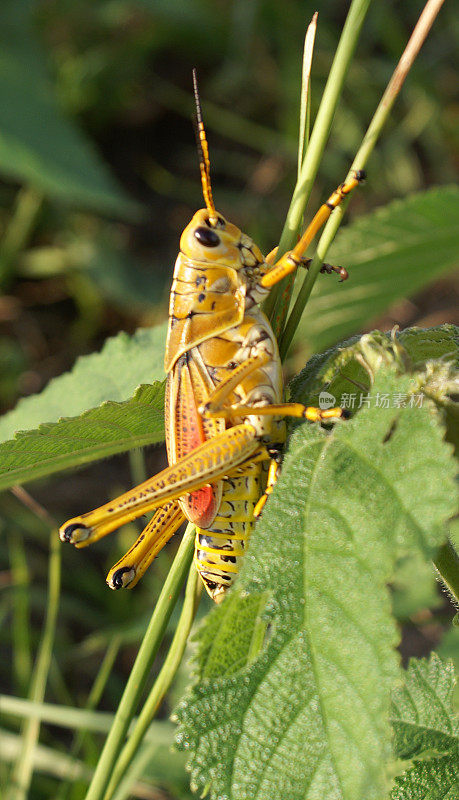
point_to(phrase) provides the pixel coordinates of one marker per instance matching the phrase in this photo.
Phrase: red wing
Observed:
(185, 431)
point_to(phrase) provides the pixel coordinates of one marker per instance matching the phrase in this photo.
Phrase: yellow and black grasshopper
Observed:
(224, 399)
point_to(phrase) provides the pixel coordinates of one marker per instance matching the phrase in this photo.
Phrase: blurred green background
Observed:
(99, 176)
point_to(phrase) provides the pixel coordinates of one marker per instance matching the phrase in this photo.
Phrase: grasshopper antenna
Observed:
(203, 152)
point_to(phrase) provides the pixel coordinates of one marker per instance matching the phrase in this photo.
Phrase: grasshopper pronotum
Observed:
(224, 399)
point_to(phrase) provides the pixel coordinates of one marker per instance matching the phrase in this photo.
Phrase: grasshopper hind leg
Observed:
(132, 566)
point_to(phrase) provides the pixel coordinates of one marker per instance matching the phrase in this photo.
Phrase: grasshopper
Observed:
(224, 408)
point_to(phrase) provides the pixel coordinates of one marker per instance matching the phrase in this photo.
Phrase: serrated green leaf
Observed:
(423, 344)
(38, 145)
(435, 779)
(449, 649)
(345, 371)
(104, 431)
(390, 253)
(247, 639)
(427, 732)
(421, 714)
(113, 374)
(309, 717)
(339, 370)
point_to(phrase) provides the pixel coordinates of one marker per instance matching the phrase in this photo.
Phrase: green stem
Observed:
(447, 565)
(20, 623)
(305, 98)
(278, 311)
(371, 137)
(22, 772)
(319, 136)
(92, 702)
(137, 466)
(127, 787)
(142, 665)
(161, 685)
(28, 204)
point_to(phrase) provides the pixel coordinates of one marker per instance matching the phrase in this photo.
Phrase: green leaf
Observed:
(104, 431)
(341, 369)
(246, 641)
(391, 253)
(38, 145)
(423, 344)
(309, 717)
(113, 374)
(449, 649)
(435, 779)
(427, 732)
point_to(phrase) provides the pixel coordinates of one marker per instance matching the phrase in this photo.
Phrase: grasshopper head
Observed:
(216, 241)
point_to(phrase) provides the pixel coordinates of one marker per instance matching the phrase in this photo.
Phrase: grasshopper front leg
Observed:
(205, 464)
(306, 263)
(289, 262)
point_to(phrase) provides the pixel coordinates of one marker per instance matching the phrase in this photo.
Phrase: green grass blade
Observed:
(161, 685)
(22, 772)
(319, 135)
(369, 141)
(20, 624)
(54, 714)
(305, 99)
(142, 665)
(16, 235)
(281, 306)
(95, 695)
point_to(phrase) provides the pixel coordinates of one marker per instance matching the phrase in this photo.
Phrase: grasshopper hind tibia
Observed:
(68, 533)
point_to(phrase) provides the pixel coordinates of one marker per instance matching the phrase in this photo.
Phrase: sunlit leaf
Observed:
(103, 431)
(341, 369)
(427, 732)
(309, 717)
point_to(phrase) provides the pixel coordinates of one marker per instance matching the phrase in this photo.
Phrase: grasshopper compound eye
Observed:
(207, 237)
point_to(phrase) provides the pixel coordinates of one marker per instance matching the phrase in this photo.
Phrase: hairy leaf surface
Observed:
(309, 717)
(427, 732)
(104, 431)
(340, 369)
